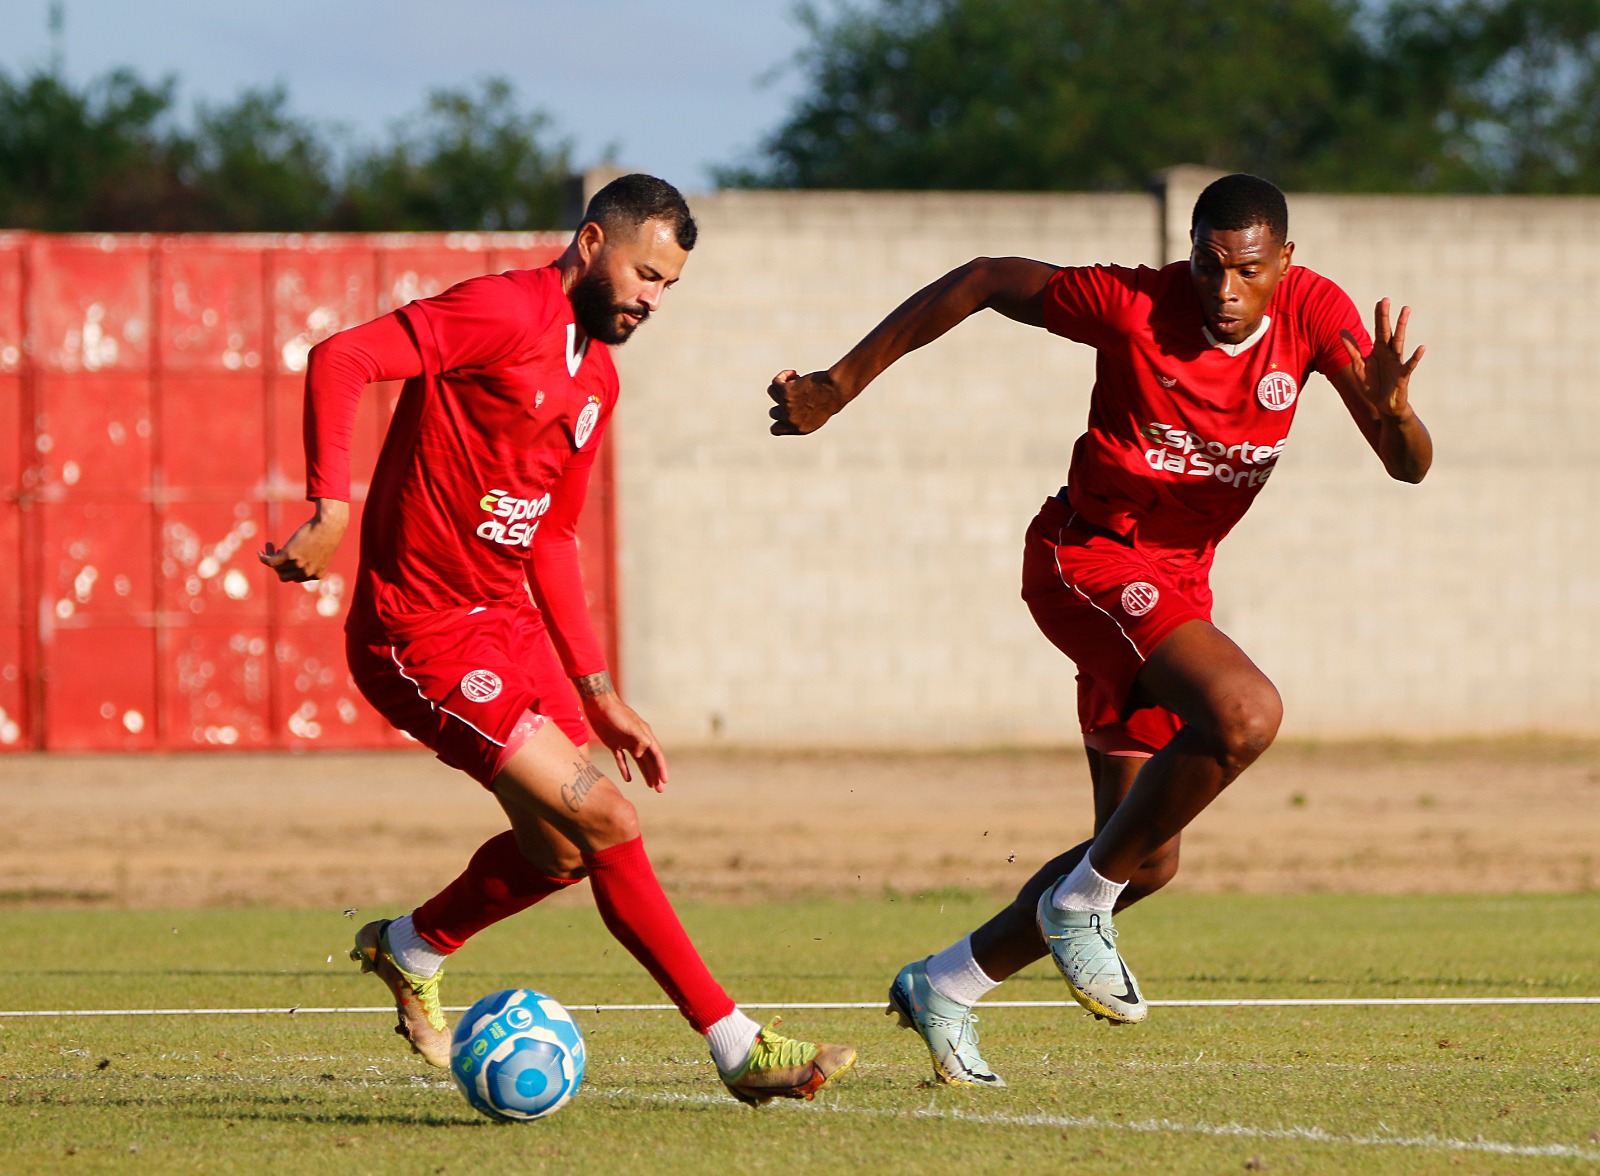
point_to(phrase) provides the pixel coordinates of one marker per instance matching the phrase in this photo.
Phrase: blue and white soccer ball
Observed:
(517, 1055)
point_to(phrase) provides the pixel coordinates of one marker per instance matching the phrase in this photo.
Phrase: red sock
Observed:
(497, 883)
(643, 921)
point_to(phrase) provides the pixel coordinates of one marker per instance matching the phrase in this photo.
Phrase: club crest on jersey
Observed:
(480, 686)
(1139, 598)
(538, 399)
(583, 427)
(1277, 391)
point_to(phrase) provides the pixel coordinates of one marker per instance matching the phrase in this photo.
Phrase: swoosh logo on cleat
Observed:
(1130, 996)
(965, 1072)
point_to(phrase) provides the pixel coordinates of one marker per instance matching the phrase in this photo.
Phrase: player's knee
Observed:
(1248, 725)
(607, 819)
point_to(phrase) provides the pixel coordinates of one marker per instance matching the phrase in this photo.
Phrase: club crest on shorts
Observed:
(1139, 598)
(480, 686)
(1277, 391)
(583, 427)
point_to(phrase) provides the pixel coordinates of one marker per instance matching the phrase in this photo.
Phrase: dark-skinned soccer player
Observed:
(1199, 366)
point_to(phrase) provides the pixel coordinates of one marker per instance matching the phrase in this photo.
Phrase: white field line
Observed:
(1169, 1127)
(1266, 1002)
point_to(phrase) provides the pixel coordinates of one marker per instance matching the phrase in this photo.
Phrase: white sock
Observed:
(955, 975)
(730, 1040)
(413, 953)
(1086, 890)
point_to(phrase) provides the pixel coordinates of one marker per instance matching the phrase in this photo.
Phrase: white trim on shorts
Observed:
(1056, 555)
(439, 706)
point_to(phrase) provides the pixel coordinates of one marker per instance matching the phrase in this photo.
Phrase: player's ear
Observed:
(1288, 254)
(591, 240)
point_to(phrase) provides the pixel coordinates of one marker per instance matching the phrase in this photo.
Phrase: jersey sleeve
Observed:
(476, 323)
(1089, 304)
(1327, 312)
(337, 373)
(555, 575)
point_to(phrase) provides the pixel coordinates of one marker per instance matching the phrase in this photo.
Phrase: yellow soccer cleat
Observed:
(416, 998)
(779, 1067)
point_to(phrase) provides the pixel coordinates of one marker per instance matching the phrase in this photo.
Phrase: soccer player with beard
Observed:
(1198, 369)
(473, 506)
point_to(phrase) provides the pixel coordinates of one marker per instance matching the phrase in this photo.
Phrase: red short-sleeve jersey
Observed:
(1183, 433)
(511, 399)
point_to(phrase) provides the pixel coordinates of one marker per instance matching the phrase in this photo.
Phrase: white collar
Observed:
(575, 350)
(1243, 345)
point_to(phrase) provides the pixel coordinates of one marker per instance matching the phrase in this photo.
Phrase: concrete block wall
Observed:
(860, 586)
(1471, 603)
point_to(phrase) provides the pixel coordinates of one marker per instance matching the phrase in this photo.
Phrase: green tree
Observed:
(254, 166)
(103, 158)
(1336, 95)
(113, 156)
(1521, 105)
(469, 161)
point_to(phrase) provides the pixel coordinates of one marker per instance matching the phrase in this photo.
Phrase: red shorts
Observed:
(1106, 604)
(472, 688)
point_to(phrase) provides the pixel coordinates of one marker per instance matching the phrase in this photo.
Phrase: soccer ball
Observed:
(517, 1055)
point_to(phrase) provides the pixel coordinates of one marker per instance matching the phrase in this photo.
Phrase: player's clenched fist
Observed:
(802, 404)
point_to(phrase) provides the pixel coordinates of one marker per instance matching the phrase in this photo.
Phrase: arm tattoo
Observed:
(574, 794)
(594, 685)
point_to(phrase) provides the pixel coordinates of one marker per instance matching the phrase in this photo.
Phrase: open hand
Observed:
(619, 727)
(1385, 375)
(802, 404)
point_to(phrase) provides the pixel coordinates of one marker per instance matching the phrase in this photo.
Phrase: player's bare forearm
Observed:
(1405, 446)
(1398, 437)
(1014, 286)
(310, 550)
(1006, 284)
(594, 685)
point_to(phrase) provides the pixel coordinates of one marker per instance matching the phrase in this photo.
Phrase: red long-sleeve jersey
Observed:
(484, 471)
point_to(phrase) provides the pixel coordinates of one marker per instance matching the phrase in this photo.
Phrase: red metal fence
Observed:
(150, 398)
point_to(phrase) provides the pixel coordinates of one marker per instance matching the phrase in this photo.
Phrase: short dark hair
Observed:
(633, 199)
(1240, 201)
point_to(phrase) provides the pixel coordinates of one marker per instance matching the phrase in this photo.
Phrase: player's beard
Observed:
(594, 303)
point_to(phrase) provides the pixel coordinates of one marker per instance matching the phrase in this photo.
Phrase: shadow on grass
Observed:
(241, 1107)
(302, 1115)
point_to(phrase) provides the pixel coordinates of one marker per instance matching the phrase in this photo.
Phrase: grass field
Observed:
(1507, 1088)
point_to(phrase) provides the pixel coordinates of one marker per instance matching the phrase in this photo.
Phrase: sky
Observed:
(674, 86)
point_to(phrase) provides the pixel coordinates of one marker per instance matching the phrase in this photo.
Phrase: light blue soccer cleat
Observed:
(948, 1028)
(1083, 945)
